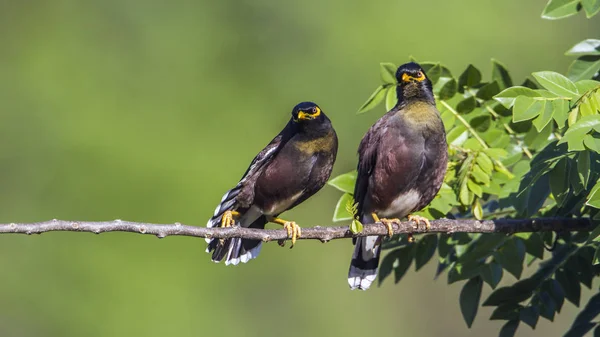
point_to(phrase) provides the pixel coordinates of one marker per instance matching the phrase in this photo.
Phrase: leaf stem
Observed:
(466, 124)
(472, 131)
(506, 126)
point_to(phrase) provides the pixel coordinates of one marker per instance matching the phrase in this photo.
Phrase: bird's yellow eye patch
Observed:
(407, 78)
(312, 114)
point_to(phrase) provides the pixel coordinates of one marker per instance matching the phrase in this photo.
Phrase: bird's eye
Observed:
(314, 110)
(420, 74)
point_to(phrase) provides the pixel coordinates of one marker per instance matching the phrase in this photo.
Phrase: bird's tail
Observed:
(234, 250)
(363, 267)
(365, 260)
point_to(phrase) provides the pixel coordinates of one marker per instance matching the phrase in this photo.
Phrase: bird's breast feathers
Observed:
(402, 205)
(325, 143)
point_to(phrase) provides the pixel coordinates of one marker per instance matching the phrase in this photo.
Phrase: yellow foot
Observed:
(387, 222)
(227, 220)
(417, 219)
(293, 230)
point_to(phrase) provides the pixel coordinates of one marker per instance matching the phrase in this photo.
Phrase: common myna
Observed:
(401, 167)
(294, 166)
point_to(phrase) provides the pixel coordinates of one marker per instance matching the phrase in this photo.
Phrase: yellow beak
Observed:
(408, 78)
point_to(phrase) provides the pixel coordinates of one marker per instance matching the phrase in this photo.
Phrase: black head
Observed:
(413, 83)
(307, 113)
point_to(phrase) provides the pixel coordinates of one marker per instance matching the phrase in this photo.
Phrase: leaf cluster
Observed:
(517, 151)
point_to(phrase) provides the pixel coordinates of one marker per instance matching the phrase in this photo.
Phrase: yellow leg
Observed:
(387, 222)
(293, 230)
(417, 219)
(227, 218)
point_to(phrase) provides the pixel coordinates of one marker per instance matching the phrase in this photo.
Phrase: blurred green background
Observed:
(150, 110)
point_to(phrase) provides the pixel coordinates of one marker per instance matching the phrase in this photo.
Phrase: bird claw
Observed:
(389, 224)
(417, 219)
(293, 231)
(227, 220)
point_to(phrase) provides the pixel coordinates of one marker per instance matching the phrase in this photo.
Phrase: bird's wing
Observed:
(242, 195)
(367, 157)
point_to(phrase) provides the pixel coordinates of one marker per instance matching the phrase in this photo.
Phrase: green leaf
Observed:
(530, 316)
(558, 9)
(356, 226)
(509, 329)
(344, 182)
(534, 245)
(480, 176)
(434, 73)
(425, 249)
(391, 98)
(557, 84)
(576, 132)
(593, 199)
(596, 259)
(585, 47)
(388, 73)
(473, 187)
(559, 186)
(404, 261)
(511, 256)
(552, 287)
(506, 311)
(548, 307)
(477, 210)
(492, 274)
(469, 299)
(561, 112)
(457, 135)
(482, 247)
(526, 108)
(340, 213)
(463, 271)
(545, 117)
(585, 316)
(508, 96)
(591, 7)
(387, 264)
(485, 163)
(448, 90)
(469, 78)
(507, 295)
(587, 85)
(488, 91)
(583, 167)
(594, 234)
(570, 284)
(584, 67)
(376, 97)
(466, 105)
(580, 330)
(500, 75)
(464, 196)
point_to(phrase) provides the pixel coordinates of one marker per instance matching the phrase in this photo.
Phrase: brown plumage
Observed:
(402, 163)
(290, 169)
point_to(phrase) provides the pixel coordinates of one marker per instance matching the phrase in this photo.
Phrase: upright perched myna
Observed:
(401, 167)
(293, 167)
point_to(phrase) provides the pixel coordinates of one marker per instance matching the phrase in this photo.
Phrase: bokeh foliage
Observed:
(517, 151)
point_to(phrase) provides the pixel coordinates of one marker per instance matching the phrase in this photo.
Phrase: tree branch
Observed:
(324, 234)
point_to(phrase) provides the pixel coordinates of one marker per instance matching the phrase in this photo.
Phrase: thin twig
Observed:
(323, 234)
